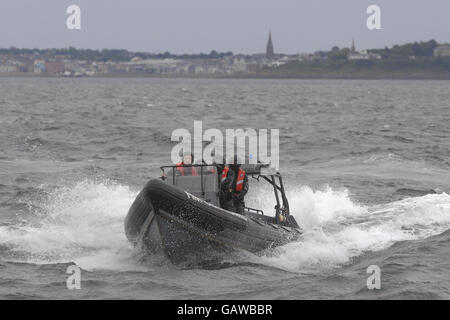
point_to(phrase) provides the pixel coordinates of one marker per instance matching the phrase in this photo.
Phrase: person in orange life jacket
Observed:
(181, 168)
(234, 187)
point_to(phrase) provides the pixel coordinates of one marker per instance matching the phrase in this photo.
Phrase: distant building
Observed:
(311, 57)
(8, 68)
(357, 56)
(363, 55)
(276, 64)
(442, 51)
(39, 66)
(54, 67)
(269, 48)
(353, 50)
(239, 65)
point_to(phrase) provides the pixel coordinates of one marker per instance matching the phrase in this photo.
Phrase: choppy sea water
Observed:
(366, 166)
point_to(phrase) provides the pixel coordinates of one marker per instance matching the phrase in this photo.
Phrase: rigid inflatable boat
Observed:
(180, 216)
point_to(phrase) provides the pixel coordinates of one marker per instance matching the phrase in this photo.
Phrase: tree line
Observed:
(417, 49)
(108, 54)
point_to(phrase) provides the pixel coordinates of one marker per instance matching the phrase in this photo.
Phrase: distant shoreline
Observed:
(269, 76)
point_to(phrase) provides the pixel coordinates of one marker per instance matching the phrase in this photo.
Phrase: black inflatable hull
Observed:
(168, 220)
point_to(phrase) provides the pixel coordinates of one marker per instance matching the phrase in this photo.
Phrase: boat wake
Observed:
(83, 224)
(337, 229)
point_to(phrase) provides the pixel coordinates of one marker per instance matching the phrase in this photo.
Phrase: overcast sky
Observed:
(241, 26)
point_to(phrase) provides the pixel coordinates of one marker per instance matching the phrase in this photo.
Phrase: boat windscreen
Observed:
(204, 184)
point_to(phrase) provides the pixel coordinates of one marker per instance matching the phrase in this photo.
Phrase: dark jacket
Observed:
(230, 183)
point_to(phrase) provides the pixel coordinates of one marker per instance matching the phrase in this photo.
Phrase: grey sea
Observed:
(366, 167)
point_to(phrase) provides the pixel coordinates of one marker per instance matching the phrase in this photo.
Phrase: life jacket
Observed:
(180, 169)
(239, 180)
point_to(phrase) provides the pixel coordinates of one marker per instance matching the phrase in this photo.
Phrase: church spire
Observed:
(353, 45)
(269, 48)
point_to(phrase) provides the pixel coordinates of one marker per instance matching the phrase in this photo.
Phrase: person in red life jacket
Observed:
(234, 187)
(185, 167)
